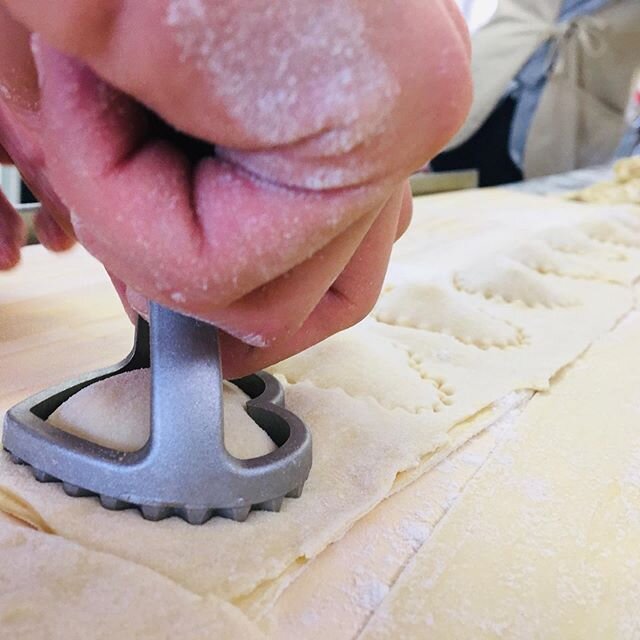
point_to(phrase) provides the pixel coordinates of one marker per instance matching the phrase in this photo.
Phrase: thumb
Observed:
(4, 157)
(12, 233)
(50, 233)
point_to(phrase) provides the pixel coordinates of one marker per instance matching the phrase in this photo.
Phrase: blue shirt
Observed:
(529, 83)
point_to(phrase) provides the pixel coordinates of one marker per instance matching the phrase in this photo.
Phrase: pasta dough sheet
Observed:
(525, 295)
(116, 413)
(342, 587)
(53, 589)
(545, 543)
(272, 598)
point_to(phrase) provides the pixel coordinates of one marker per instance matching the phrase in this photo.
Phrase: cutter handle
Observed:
(187, 417)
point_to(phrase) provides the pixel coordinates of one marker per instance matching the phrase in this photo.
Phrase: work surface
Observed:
(59, 316)
(446, 500)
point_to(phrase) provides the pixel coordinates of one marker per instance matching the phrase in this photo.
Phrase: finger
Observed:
(266, 318)
(19, 123)
(278, 309)
(50, 233)
(346, 302)
(121, 290)
(183, 220)
(4, 157)
(18, 76)
(406, 210)
(12, 234)
(358, 287)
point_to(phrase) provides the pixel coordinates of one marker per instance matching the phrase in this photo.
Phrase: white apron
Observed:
(580, 116)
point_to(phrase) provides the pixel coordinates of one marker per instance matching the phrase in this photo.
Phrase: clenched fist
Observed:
(242, 161)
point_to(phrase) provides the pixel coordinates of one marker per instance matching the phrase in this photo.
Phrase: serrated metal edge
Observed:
(154, 513)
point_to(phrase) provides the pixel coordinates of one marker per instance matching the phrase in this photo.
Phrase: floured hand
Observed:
(277, 223)
(18, 115)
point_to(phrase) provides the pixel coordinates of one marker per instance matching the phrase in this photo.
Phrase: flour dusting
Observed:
(288, 69)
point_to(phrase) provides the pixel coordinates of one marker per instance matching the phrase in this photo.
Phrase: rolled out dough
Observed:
(515, 324)
(115, 413)
(545, 541)
(53, 589)
(341, 588)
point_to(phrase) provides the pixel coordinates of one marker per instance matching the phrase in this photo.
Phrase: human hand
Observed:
(17, 89)
(280, 234)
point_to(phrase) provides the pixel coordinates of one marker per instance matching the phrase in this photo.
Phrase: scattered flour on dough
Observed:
(370, 591)
(414, 532)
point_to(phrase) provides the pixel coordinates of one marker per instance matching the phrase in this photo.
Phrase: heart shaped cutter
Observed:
(184, 468)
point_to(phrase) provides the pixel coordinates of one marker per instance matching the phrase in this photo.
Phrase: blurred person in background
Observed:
(630, 143)
(551, 81)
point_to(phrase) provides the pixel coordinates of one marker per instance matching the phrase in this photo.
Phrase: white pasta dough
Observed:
(485, 299)
(545, 541)
(115, 413)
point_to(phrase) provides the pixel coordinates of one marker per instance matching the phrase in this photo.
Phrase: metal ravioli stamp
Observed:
(184, 469)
